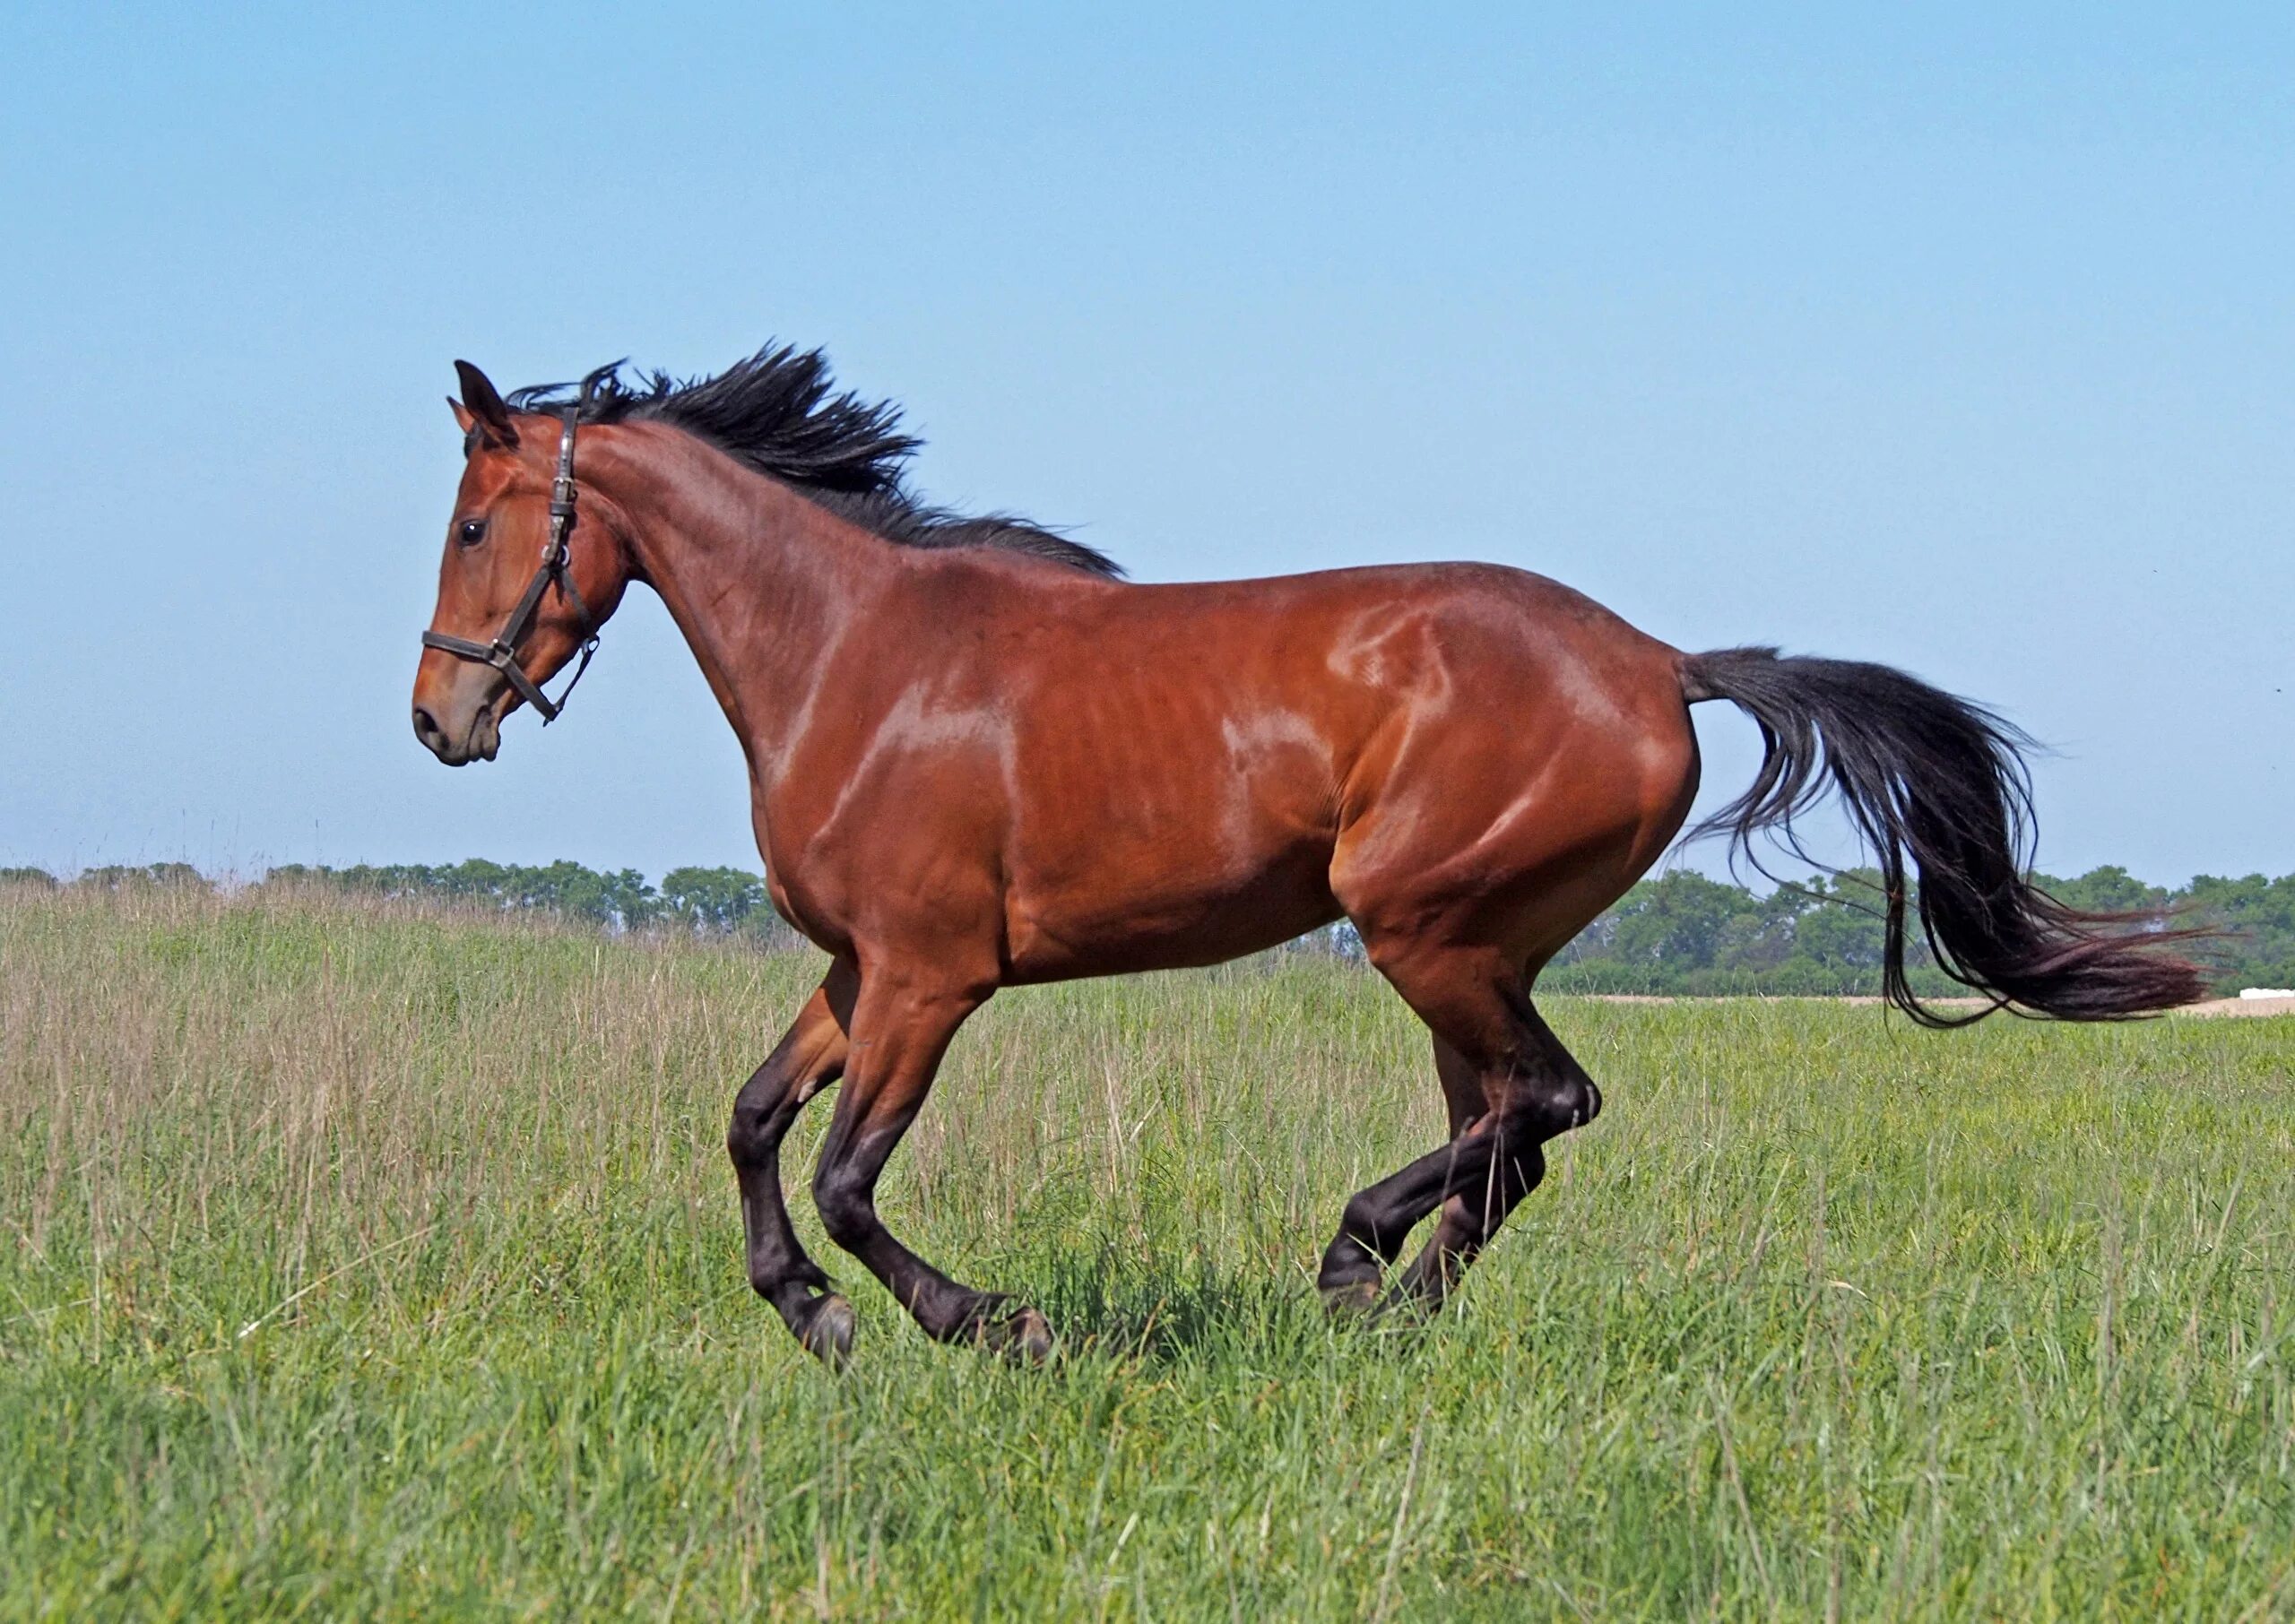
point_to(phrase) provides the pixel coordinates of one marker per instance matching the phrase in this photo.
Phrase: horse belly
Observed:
(1161, 893)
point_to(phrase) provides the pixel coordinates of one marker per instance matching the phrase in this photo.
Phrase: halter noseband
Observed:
(502, 654)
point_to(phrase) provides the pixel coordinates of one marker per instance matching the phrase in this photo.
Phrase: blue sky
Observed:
(1947, 337)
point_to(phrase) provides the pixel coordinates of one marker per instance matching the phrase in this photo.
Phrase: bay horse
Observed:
(979, 758)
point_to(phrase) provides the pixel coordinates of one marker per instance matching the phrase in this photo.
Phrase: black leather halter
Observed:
(556, 559)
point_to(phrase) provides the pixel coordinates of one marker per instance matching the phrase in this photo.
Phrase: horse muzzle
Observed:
(459, 741)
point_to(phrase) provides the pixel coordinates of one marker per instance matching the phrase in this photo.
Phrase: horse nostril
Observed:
(426, 727)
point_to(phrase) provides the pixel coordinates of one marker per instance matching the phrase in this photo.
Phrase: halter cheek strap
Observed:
(555, 568)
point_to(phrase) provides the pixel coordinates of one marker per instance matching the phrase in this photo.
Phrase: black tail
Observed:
(1944, 782)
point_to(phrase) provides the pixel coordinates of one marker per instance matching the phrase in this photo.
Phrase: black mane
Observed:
(777, 413)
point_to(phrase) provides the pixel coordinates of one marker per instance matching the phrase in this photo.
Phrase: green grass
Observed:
(366, 1264)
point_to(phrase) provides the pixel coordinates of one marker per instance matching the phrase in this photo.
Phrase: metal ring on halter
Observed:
(556, 566)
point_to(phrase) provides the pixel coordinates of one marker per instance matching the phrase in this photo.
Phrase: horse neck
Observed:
(761, 582)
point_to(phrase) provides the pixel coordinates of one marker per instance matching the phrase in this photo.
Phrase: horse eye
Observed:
(472, 532)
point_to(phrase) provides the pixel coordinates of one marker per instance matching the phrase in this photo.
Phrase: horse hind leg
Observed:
(1510, 1086)
(1539, 1093)
(1377, 1221)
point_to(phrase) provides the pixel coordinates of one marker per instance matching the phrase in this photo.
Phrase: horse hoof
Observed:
(1353, 1300)
(1023, 1337)
(828, 1334)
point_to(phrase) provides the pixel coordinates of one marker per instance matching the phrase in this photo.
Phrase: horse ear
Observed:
(484, 408)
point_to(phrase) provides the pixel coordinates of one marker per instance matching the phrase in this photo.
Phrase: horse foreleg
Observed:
(901, 1028)
(809, 1058)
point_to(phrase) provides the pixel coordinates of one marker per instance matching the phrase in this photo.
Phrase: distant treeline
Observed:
(1681, 934)
(707, 901)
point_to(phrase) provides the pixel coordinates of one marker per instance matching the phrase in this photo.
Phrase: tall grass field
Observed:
(370, 1264)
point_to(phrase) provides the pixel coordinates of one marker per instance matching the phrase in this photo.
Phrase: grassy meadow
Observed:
(362, 1262)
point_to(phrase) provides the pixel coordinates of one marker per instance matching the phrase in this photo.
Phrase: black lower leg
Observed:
(1510, 1166)
(901, 1028)
(808, 1059)
(778, 1266)
(1542, 1095)
(844, 1190)
(1377, 1221)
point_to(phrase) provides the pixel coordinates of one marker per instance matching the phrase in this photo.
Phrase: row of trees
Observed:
(707, 901)
(1682, 933)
